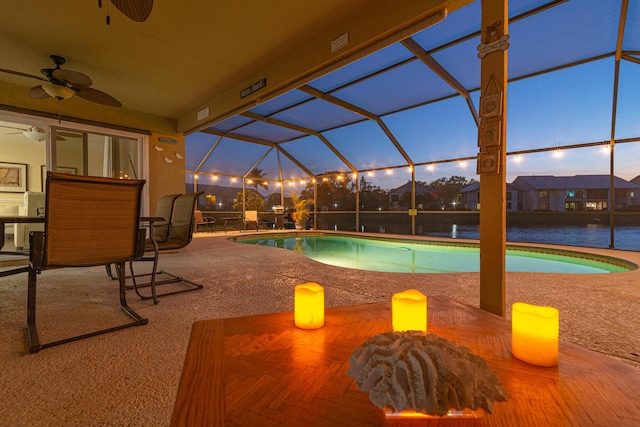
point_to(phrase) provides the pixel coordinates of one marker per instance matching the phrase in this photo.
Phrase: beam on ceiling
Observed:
(435, 66)
(304, 130)
(206, 156)
(261, 142)
(360, 111)
(614, 108)
(381, 25)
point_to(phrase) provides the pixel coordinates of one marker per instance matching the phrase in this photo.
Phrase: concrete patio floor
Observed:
(130, 377)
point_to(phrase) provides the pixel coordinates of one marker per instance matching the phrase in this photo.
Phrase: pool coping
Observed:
(438, 241)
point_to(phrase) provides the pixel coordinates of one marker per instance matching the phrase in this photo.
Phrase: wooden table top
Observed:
(263, 371)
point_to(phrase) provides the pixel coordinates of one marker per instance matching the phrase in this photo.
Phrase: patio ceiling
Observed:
(386, 110)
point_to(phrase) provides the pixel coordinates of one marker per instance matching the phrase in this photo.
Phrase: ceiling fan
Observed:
(37, 134)
(63, 84)
(136, 10)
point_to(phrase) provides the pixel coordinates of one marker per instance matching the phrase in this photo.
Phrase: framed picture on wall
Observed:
(489, 134)
(491, 105)
(63, 169)
(13, 177)
(488, 163)
(70, 171)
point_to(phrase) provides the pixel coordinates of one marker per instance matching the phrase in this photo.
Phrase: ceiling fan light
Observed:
(57, 91)
(34, 134)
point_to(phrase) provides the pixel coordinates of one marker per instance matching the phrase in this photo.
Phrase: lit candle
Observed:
(534, 334)
(308, 308)
(409, 311)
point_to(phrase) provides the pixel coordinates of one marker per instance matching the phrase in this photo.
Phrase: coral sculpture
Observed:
(425, 373)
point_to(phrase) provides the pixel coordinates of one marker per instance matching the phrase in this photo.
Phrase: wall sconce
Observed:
(534, 334)
(409, 311)
(308, 309)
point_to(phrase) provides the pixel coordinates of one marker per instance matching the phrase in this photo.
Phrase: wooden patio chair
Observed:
(200, 219)
(180, 234)
(89, 221)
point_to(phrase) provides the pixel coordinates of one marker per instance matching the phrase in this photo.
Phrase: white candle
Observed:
(534, 334)
(409, 311)
(308, 310)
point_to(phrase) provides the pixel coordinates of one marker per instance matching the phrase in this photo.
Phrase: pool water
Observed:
(406, 256)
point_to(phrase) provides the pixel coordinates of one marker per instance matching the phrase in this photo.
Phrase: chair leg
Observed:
(154, 282)
(123, 299)
(110, 272)
(33, 342)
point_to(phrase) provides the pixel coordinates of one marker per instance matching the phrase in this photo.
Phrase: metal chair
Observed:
(200, 219)
(89, 221)
(160, 228)
(164, 209)
(180, 234)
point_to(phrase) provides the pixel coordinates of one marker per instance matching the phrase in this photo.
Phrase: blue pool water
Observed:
(407, 256)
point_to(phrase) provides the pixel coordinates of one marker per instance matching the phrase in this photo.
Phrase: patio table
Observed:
(262, 370)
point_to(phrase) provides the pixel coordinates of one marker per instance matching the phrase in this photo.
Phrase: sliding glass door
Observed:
(95, 154)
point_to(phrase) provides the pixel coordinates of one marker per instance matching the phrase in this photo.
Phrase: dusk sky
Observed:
(567, 107)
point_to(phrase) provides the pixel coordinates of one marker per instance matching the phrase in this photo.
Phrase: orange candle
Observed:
(409, 311)
(308, 309)
(534, 334)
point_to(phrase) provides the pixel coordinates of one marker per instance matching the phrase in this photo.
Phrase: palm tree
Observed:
(256, 176)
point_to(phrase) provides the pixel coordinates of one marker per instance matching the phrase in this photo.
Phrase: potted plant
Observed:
(300, 214)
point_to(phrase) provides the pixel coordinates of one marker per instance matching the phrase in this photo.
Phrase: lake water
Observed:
(592, 235)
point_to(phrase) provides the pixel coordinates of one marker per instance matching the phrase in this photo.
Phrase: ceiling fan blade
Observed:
(137, 10)
(18, 73)
(74, 78)
(97, 96)
(11, 127)
(38, 92)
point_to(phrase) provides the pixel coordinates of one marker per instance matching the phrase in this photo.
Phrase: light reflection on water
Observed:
(591, 235)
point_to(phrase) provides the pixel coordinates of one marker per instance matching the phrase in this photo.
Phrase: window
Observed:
(542, 194)
(572, 193)
(598, 193)
(94, 154)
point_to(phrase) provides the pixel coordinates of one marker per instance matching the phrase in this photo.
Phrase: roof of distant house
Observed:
(550, 182)
(420, 189)
(476, 186)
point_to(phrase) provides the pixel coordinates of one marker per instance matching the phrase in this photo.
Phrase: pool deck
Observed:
(131, 377)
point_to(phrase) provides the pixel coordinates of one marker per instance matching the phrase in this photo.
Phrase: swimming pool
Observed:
(428, 256)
